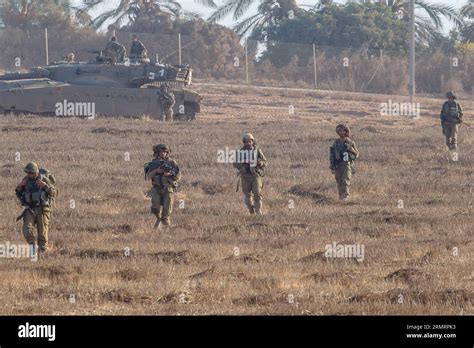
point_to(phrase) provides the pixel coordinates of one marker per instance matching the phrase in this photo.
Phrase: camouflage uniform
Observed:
(138, 50)
(167, 100)
(451, 117)
(38, 203)
(342, 154)
(115, 51)
(252, 178)
(162, 192)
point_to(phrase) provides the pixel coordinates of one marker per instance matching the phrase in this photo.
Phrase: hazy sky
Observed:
(192, 5)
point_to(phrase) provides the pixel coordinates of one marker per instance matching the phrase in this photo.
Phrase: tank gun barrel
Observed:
(34, 74)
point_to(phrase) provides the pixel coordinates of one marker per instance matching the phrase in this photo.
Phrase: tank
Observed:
(99, 87)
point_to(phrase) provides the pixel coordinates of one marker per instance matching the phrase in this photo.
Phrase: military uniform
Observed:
(115, 51)
(342, 154)
(167, 100)
(252, 178)
(164, 187)
(138, 50)
(451, 117)
(38, 203)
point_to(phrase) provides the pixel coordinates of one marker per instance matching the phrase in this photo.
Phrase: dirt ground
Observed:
(411, 210)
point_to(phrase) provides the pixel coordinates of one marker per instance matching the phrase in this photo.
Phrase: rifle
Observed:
(23, 213)
(158, 163)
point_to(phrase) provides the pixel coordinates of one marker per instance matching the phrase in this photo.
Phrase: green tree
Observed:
(351, 25)
(130, 11)
(27, 14)
(467, 27)
(270, 12)
(428, 20)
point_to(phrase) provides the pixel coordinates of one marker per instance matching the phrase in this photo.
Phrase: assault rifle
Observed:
(158, 163)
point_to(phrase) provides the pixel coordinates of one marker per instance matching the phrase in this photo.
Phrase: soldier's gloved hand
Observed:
(167, 174)
(23, 183)
(41, 184)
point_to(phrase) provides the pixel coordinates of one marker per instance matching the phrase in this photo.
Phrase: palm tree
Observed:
(131, 10)
(467, 28)
(269, 12)
(428, 26)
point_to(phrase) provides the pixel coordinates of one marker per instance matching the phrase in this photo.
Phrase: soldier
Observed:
(164, 175)
(451, 117)
(115, 51)
(138, 50)
(36, 193)
(167, 100)
(71, 57)
(342, 154)
(251, 172)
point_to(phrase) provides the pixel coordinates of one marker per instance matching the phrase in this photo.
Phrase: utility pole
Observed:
(412, 86)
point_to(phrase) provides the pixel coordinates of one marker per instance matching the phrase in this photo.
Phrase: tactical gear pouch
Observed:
(35, 198)
(453, 114)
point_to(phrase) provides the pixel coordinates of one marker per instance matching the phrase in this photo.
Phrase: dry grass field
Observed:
(217, 259)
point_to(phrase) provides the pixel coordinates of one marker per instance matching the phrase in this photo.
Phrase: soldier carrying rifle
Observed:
(342, 155)
(36, 192)
(164, 175)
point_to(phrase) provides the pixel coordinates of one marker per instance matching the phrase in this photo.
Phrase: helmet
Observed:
(157, 148)
(451, 94)
(31, 167)
(248, 136)
(343, 127)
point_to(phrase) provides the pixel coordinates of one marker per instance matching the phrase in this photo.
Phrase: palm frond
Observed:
(244, 26)
(207, 3)
(241, 7)
(435, 11)
(222, 11)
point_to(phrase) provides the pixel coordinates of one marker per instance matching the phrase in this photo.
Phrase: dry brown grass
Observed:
(191, 268)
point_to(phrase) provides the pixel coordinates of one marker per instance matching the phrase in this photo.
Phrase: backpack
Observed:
(45, 172)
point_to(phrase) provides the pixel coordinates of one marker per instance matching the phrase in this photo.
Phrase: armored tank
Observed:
(99, 87)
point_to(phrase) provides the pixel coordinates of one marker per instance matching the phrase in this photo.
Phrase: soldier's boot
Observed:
(166, 213)
(156, 212)
(166, 221)
(258, 207)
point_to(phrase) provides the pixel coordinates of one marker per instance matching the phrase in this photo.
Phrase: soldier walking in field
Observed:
(36, 193)
(451, 117)
(164, 175)
(342, 154)
(251, 172)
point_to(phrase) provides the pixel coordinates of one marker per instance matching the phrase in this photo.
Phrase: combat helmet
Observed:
(31, 167)
(343, 127)
(248, 136)
(157, 148)
(451, 94)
